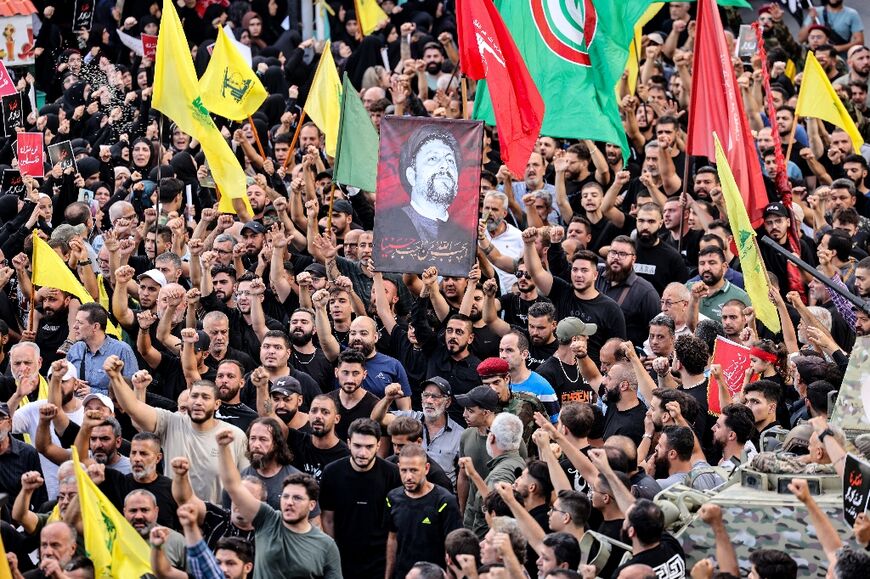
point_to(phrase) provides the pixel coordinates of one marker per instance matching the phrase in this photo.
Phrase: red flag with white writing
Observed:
(7, 85)
(487, 51)
(734, 359)
(31, 155)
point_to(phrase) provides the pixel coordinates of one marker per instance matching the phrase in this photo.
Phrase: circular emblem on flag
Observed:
(567, 27)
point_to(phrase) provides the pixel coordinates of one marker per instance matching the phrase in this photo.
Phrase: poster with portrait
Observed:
(428, 190)
(61, 153)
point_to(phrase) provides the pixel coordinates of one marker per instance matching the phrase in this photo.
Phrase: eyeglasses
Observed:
(620, 254)
(672, 303)
(524, 274)
(555, 510)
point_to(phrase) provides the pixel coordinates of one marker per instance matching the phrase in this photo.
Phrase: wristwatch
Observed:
(824, 434)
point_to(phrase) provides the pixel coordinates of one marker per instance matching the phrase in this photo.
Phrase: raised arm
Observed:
(120, 298)
(468, 296)
(726, 557)
(182, 491)
(164, 325)
(328, 343)
(380, 413)
(623, 496)
(645, 383)
(280, 285)
(144, 346)
(258, 316)
(490, 311)
(529, 527)
(542, 278)
(560, 481)
(433, 292)
(142, 414)
(244, 502)
(189, 338)
(30, 481)
(265, 407)
(43, 442)
(825, 531)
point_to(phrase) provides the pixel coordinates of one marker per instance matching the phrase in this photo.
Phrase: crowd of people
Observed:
(259, 400)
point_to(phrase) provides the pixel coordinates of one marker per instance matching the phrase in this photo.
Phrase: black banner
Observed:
(856, 487)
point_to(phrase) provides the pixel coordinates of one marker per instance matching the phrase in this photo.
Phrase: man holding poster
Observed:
(427, 195)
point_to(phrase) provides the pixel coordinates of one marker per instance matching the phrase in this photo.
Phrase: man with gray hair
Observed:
(502, 444)
(141, 510)
(501, 235)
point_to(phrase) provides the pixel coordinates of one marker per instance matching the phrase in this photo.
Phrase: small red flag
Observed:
(717, 107)
(487, 50)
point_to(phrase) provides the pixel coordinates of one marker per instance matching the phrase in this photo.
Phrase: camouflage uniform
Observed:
(524, 405)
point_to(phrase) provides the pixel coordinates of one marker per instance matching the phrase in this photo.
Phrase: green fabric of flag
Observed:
(356, 158)
(576, 52)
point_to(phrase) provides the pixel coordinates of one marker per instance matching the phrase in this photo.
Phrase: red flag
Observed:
(7, 86)
(734, 360)
(487, 50)
(149, 45)
(717, 107)
(31, 156)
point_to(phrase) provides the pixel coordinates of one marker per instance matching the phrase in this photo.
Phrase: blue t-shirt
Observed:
(381, 371)
(538, 387)
(845, 23)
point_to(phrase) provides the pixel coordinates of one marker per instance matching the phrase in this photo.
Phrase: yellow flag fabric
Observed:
(632, 66)
(754, 270)
(50, 270)
(369, 15)
(5, 571)
(324, 99)
(818, 99)
(177, 95)
(111, 542)
(229, 86)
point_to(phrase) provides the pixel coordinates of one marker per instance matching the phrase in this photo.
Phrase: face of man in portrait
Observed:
(434, 175)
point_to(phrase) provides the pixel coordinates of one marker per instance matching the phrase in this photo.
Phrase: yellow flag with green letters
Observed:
(177, 95)
(229, 87)
(754, 270)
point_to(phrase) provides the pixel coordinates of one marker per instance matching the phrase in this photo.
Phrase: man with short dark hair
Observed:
(674, 456)
(352, 400)
(93, 347)
(762, 397)
(772, 564)
(713, 290)
(354, 492)
(644, 525)
(313, 451)
(732, 432)
(420, 515)
(657, 262)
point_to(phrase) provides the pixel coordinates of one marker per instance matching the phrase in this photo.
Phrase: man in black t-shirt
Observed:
(419, 515)
(644, 526)
(625, 412)
(313, 452)
(353, 493)
(579, 298)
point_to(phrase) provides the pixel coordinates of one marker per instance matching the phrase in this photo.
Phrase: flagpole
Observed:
(683, 201)
(257, 137)
(31, 313)
(464, 84)
(358, 18)
(291, 153)
(159, 175)
(329, 215)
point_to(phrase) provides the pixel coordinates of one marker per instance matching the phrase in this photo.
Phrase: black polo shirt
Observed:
(18, 459)
(639, 302)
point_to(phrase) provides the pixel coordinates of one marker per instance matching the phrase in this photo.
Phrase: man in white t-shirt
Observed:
(191, 435)
(504, 236)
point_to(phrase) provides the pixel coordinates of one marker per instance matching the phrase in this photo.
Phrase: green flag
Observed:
(356, 157)
(576, 52)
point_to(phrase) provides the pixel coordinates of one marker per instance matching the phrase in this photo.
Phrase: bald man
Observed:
(57, 546)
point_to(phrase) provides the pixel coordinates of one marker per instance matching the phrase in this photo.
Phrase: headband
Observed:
(763, 355)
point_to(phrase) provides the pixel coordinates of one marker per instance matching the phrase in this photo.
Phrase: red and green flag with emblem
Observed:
(576, 52)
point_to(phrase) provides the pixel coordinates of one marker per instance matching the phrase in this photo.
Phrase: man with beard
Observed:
(533, 182)
(282, 401)
(287, 544)
(275, 356)
(656, 262)
(141, 510)
(419, 516)
(637, 298)
(429, 171)
(53, 324)
(733, 320)
(313, 452)
(706, 179)
(714, 291)
(605, 221)
(677, 455)
(572, 338)
(500, 235)
(381, 370)
(449, 356)
(189, 435)
(223, 279)
(103, 436)
(149, 286)
(625, 412)
(579, 298)
(858, 59)
(253, 237)
(514, 349)
(441, 434)
(353, 498)
(217, 326)
(352, 400)
(248, 291)
(732, 432)
(515, 305)
(229, 379)
(270, 459)
(304, 355)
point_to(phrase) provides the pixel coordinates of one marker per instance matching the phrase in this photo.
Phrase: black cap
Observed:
(203, 342)
(286, 385)
(482, 396)
(440, 382)
(775, 209)
(255, 226)
(316, 270)
(342, 206)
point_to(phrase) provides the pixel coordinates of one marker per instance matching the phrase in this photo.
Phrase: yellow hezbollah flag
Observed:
(113, 545)
(229, 86)
(818, 99)
(754, 271)
(634, 54)
(176, 95)
(5, 572)
(323, 104)
(49, 270)
(369, 14)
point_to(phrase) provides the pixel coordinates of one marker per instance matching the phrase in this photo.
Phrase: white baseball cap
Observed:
(104, 400)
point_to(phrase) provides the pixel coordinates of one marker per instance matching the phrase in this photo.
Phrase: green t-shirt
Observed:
(281, 553)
